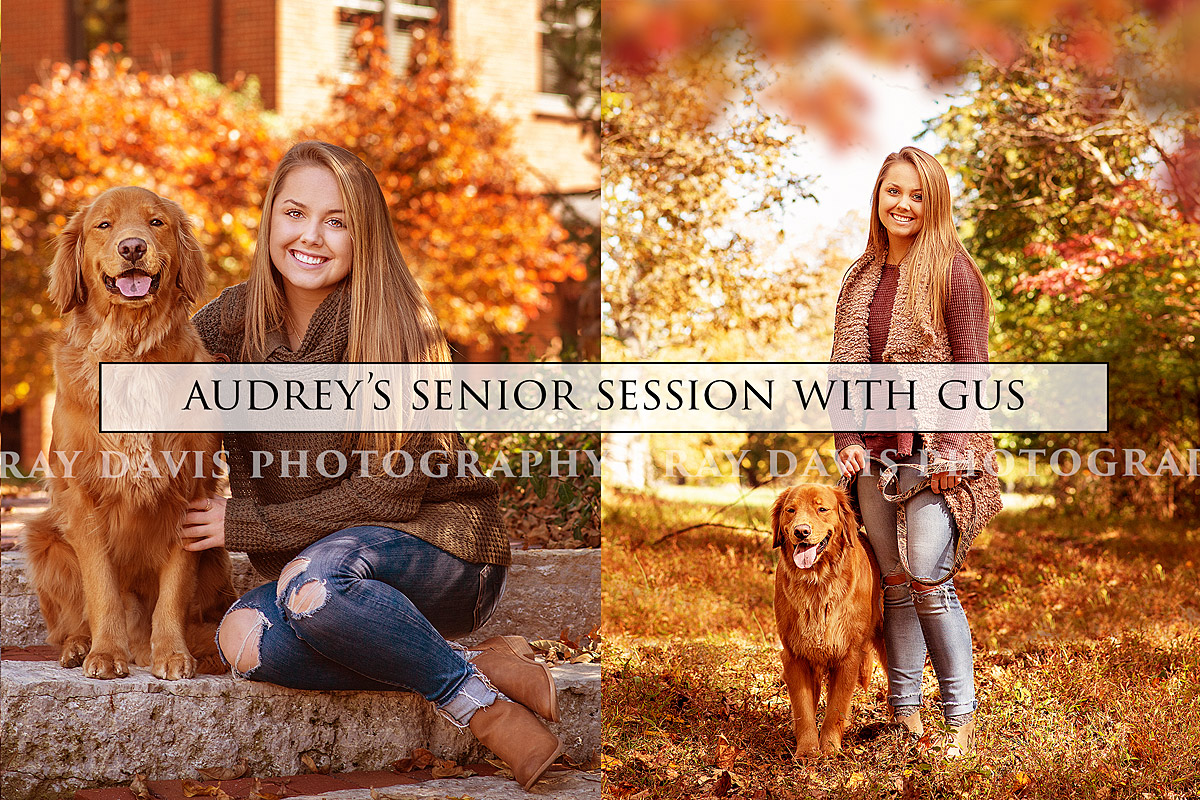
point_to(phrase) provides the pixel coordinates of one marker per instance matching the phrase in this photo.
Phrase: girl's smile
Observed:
(901, 206)
(311, 244)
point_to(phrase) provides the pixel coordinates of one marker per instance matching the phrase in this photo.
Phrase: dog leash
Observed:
(891, 475)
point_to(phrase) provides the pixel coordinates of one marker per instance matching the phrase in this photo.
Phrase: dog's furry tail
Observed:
(868, 663)
(201, 642)
(53, 569)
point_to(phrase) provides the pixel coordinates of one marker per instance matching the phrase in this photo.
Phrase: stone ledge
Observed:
(561, 786)
(548, 591)
(558, 782)
(62, 732)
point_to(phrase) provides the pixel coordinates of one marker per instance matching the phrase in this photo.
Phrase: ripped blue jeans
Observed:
(919, 620)
(371, 608)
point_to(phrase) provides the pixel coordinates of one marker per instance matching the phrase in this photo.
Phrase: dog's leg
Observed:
(843, 677)
(137, 625)
(109, 653)
(803, 685)
(170, 658)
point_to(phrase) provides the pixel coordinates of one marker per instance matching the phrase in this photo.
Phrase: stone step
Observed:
(558, 782)
(62, 732)
(548, 592)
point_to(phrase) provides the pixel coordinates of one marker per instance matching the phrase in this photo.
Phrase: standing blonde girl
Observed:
(915, 295)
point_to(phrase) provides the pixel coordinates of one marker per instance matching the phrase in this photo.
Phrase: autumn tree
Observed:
(1081, 200)
(82, 131)
(487, 248)
(572, 40)
(941, 39)
(680, 175)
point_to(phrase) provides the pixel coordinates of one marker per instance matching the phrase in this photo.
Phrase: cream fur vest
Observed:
(910, 340)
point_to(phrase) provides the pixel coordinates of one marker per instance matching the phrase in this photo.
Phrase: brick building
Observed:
(290, 46)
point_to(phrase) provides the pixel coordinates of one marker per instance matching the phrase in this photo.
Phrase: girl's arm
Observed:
(256, 527)
(967, 329)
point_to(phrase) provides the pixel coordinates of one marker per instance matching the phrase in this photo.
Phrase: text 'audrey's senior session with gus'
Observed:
(727, 397)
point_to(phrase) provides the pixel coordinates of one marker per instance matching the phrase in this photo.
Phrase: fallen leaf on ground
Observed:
(310, 764)
(448, 769)
(139, 788)
(197, 789)
(224, 773)
(726, 754)
(260, 792)
(420, 759)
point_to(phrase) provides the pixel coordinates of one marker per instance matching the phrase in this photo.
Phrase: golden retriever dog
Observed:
(828, 609)
(106, 558)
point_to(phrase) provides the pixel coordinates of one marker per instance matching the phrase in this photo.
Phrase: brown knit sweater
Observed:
(273, 518)
(915, 340)
(966, 327)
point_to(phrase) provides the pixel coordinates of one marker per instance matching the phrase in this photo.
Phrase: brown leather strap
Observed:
(891, 475)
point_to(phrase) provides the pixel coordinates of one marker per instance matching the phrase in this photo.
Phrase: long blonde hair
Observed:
(390, 319)
(931, 256)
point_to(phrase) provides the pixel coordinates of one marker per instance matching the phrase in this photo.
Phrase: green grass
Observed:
(1087, 663)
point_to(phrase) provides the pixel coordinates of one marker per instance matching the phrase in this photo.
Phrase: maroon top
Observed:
(966, 326)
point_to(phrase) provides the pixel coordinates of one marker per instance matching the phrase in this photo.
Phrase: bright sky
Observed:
(900, 101)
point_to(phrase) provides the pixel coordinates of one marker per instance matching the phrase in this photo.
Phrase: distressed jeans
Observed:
(917, 621)
(371, 608)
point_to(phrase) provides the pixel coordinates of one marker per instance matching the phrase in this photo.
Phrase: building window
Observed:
(405, 18)
(95, 23)
(555, 32)
(570, 57)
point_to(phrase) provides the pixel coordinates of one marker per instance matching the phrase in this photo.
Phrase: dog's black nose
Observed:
(803, 530)
(132, 249)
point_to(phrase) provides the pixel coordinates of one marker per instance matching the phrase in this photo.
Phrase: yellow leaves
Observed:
(196, 789)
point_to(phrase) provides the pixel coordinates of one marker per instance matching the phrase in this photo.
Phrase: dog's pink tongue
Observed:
(134, 286)
(805, 558)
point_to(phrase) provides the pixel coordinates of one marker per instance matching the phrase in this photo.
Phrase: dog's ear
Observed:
(192, 277)
(776, 518)
(67, 287)
(847, 519)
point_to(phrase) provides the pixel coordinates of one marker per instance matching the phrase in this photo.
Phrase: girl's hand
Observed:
(204, 523)
(852, 459)
(944, 481)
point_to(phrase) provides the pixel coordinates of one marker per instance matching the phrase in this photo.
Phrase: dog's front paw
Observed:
(831, 746)
(74, 650)
(106, 666)
(173, 666)
(806, 749)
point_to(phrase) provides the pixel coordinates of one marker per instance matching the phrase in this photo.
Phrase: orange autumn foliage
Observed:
(480, 239)
(89, 128)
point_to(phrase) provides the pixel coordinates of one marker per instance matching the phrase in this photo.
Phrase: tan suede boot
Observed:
(911, 723)
(514, 734)
(520, 678)
(960, 742)
(514, 644)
